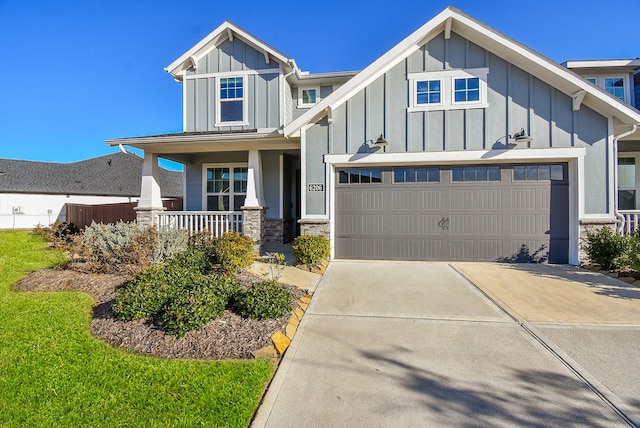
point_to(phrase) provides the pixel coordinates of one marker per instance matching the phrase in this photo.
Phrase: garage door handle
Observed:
(444, 223)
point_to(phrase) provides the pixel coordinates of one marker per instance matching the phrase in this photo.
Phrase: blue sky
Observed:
(79, 72)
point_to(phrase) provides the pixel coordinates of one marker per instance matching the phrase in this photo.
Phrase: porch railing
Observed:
(631, 219)
(215, 223)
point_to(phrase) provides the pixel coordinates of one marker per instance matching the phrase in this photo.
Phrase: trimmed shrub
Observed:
(193, 259)
(233, 251)
(149, 291)
(265, 300)
(169, 243)
(607, 248)
(310, 249)
(193, 308)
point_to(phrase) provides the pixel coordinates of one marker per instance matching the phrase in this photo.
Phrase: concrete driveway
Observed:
(434, 344)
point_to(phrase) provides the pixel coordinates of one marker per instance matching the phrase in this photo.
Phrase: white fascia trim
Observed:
(234, 73)
(204, 46)
(458, 157)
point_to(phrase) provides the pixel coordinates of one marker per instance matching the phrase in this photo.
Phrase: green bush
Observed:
(265, 300)
(234, 251)
(193, 308)
(150, 290)
(193, 259)
(607, 248)
(310, 249)
(169, 243)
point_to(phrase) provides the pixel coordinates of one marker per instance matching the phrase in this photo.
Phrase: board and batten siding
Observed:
(262, 90)
(516, 99)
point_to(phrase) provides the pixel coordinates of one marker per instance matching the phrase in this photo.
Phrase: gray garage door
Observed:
(513, 213)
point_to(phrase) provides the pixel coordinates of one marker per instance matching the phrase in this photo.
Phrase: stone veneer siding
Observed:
(253, 226)
(315, 227)
(279, 231)
(587, 225)
(147, 217)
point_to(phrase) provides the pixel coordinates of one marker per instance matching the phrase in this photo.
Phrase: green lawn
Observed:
(54, 373)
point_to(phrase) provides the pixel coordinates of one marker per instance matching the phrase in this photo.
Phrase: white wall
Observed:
(34, 208)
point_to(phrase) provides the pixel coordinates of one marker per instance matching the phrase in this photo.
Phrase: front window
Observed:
(231, 99)
(226, 188)
(615, 86)
(467, 90)
(627, 183)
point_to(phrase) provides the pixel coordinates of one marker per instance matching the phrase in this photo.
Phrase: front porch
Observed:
(245, 182)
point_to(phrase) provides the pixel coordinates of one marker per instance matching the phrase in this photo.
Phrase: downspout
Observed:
(619, 216)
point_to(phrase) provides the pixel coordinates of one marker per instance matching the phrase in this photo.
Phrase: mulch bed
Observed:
(228, 337)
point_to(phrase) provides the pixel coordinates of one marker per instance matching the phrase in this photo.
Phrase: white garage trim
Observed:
(574, 156)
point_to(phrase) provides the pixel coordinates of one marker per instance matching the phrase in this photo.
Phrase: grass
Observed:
(54, 373)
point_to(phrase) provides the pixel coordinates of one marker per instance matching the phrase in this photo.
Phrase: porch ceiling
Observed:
(206, 142)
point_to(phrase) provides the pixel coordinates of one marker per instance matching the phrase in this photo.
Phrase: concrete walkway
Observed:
(417, 344)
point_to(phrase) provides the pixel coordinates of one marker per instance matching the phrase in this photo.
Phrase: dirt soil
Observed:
(228, 337)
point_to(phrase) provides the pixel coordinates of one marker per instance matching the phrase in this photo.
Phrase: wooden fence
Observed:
(83, 215)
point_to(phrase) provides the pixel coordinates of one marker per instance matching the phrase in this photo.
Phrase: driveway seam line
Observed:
(552, 351)
(390, 317)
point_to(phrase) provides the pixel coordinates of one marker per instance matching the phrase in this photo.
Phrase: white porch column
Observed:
(253, 211)
(150, 203)
(255, 192)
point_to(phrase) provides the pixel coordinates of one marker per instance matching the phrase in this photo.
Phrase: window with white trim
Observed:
(308, 97)
(428, 92)
(449, 89)
(231, 101)
(225, 187)
(615, 85)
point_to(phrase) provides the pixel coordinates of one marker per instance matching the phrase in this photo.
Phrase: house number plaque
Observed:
(316, 187)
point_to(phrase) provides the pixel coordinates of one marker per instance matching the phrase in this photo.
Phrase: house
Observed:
(33, 193)
(459, 143)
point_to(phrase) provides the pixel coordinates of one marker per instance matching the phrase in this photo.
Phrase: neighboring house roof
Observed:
(117, 174)
(226, 30)
(452, 19)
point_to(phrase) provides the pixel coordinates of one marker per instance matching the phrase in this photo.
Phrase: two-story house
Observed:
(459, 143)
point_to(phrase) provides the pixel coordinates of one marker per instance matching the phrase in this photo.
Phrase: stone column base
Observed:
(592, 225)
(253, 226)
(315, 227)
(278, 230)
(147, 217)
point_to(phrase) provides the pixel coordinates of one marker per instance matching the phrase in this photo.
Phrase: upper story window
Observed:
(307, 97)
(449, 89)
(428, 92)
(232, 103)
(615, 85)
(466, 90)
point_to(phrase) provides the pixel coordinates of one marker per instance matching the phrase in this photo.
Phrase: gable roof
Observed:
(452, 19)
(214, 39)
(117, 174)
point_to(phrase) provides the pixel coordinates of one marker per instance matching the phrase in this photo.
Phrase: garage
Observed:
(511, 213)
